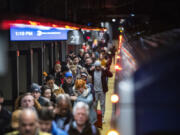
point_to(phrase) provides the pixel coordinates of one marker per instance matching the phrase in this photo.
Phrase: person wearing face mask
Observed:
(99, 80)
(82, 93)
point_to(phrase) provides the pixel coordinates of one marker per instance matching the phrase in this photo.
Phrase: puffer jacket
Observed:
(87, 98)
(5, 120)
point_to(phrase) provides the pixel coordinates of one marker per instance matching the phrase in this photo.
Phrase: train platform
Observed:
(108, 112)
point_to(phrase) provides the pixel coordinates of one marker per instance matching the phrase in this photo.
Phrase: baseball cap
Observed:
(84, 74)
(68, 74)
(35, 87)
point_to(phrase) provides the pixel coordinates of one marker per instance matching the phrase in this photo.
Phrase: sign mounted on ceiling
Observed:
(75, 37)
(32, 33)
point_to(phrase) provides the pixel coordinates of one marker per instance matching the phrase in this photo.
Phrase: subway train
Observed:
(146, 98)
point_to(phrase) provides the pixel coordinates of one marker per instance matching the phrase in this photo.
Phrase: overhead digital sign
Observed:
(75, 37)
(37, 33)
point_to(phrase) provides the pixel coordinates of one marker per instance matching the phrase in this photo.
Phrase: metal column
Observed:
(30, 67)
(15, 75)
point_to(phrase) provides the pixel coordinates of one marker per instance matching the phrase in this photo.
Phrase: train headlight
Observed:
(114, 98)
(113, 132)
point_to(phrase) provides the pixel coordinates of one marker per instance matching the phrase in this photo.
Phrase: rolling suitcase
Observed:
(99, 119)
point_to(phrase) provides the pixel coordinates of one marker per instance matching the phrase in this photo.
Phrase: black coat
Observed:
(68, 88)
(57, 77)
(5, 121)
(88, 67)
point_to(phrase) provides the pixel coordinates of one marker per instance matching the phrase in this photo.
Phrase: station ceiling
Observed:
(95, 11)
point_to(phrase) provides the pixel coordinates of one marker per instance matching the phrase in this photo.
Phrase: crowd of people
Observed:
(66, 102)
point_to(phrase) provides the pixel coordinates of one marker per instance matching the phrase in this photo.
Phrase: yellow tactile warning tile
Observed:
(108, 112)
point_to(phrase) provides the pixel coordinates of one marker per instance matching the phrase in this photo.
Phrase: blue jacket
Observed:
(57, 131)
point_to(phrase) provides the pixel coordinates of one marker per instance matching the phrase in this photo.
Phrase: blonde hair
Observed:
(18, 101)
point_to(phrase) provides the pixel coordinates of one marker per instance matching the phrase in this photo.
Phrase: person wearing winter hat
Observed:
(57, 73)
(88, 79)
(97, 65)
(35, 89)
(99, 81)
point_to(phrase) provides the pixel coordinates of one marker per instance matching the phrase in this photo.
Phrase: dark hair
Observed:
(70, 52)
(65, 68)
(46, 114)
(49, 77)
(75, 57)
(1, 94)
(88, 58)
(44, 88)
